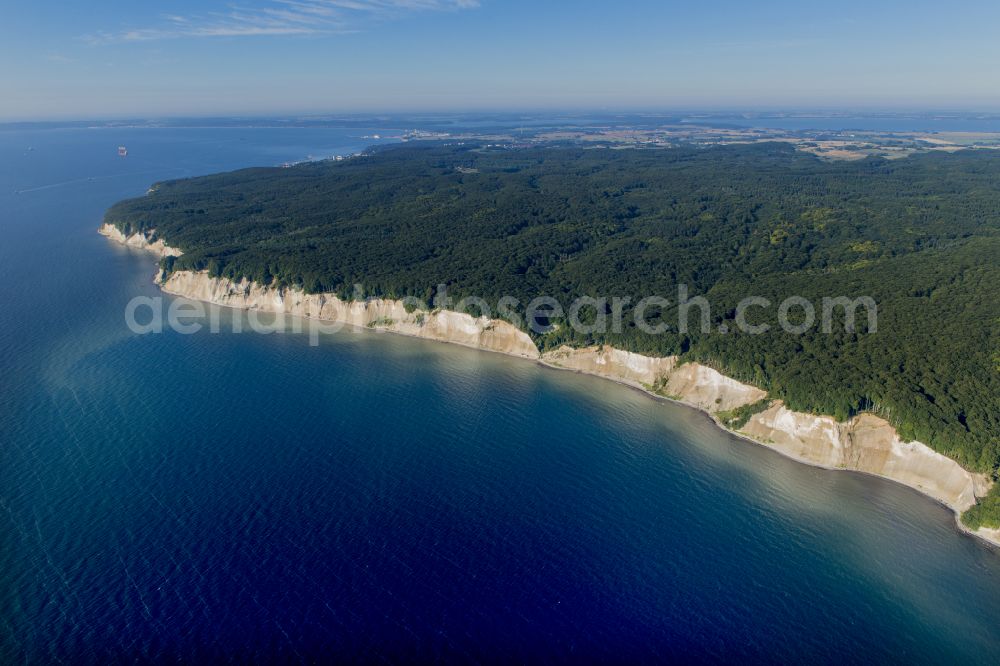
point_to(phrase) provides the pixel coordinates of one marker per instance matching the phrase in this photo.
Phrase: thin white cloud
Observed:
(280, 17)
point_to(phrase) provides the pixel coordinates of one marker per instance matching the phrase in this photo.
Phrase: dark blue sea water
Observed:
(199, 497)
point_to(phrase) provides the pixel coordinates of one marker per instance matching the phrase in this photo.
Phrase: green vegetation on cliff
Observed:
(734, 419)
(921, 236)
(986, 513)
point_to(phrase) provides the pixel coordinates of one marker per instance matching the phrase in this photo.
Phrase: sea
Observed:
(240, 497)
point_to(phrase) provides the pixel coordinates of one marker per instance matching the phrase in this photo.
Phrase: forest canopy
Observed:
(920, 235)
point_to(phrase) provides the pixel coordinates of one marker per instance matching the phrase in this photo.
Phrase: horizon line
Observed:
(807, 111)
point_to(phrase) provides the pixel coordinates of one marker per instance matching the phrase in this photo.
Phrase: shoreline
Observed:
(866, 442)
(991, 540)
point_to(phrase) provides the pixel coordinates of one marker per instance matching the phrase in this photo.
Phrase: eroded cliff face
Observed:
(866, 443)
(456, 327)
(621, 366)
(140, 241)
(690, 383)
(710, 390)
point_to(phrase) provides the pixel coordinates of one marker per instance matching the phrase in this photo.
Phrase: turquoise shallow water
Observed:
(246, 496)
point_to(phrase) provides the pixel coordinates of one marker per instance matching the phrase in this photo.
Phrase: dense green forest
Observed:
(920, 235)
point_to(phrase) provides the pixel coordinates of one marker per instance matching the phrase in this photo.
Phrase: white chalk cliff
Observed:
(141, 241)
(866, 443)
(444, 325)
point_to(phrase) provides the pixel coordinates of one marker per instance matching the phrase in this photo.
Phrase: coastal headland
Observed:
(866, 443)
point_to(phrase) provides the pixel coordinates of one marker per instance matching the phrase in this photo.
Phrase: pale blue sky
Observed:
(210, 57)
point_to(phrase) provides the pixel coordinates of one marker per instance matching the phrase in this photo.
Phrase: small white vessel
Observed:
(122, 151)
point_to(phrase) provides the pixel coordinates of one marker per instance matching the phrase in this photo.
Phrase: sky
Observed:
(117, 59)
